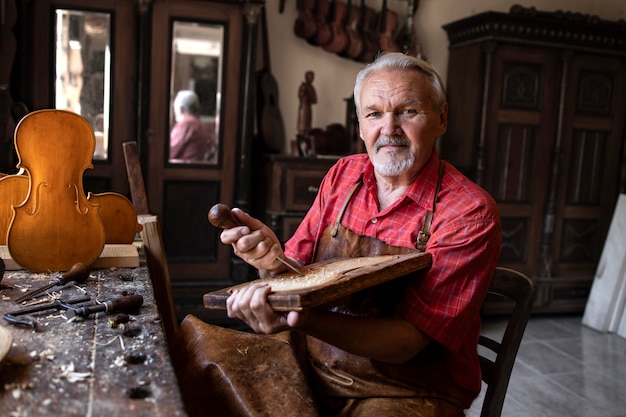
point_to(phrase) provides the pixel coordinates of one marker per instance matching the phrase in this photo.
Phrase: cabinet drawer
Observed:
(301, 188)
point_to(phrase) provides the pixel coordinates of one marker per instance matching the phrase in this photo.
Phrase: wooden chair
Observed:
(152, 239)
(496, 373)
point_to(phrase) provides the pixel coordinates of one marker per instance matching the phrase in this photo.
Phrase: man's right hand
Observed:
(255, 243)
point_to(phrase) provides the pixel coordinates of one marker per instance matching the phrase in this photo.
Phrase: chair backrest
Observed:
(152, 240)
(496, 373)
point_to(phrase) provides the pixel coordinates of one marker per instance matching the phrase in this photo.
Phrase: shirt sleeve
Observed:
(445, 300)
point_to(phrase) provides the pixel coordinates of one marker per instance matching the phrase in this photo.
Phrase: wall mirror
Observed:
(82, 60)
(195, 85)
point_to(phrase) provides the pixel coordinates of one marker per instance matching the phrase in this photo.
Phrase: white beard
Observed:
(388, 164)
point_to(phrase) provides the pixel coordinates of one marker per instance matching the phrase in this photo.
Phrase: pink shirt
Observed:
(444, 302)
(190, 139)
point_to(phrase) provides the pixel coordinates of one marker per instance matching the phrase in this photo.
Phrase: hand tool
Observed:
(77, 273)
(117, 305)
(221, 216)
(24, 318)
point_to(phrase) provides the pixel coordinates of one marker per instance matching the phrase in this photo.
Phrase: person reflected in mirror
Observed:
(191, 140)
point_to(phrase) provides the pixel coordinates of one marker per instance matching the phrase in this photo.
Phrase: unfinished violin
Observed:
(55, 226)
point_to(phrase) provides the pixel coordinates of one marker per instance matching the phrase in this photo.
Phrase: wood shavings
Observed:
(68, 372)
(119, 361)
(324, 275)
(20, 412)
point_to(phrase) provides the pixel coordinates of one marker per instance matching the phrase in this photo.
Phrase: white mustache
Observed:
(386, 140)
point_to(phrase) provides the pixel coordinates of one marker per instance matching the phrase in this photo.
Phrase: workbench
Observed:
(102, 365)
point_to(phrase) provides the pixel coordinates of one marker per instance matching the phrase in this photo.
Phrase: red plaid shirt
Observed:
(443, 302)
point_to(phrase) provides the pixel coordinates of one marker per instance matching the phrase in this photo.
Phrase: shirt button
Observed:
(375, 220)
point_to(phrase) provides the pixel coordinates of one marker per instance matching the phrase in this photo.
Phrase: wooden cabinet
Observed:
(537, 110)
(289, 187)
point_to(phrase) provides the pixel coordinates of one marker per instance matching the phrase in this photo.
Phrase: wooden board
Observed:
(325, 282)
(113, 255)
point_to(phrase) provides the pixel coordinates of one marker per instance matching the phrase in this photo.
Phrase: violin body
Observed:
(387, 27)
(324, 34)
(305, 26)
(55, 226)
(117, 213)
(13, 191)
(354, 30)
(339, 38)
(118, 216)
(369, 33)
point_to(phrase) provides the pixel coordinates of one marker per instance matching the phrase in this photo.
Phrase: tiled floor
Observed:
(564, 369)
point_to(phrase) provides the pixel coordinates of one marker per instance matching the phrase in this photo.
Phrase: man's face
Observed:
(398, 121)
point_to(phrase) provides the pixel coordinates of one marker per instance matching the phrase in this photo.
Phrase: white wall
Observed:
(291, 56)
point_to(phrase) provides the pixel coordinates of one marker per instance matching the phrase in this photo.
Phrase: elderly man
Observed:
(405, 351)
(190, 138)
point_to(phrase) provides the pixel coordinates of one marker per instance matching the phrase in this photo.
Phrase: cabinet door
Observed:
(196, 45)
(520, 132)
(594, 106)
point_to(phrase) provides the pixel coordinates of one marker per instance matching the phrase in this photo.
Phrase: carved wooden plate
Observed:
(327, 281)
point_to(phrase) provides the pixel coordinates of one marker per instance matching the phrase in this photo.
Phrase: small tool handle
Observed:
(221, 216)
(77, 273)
(117, 305)
(124, 304)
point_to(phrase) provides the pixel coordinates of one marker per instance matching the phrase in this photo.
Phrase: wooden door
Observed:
(591, 146)
(109, 67)
(519, 138)
(182, 192)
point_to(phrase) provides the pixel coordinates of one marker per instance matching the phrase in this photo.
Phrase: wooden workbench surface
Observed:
(88, 366)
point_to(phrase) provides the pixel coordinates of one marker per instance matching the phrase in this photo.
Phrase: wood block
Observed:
(113, 255)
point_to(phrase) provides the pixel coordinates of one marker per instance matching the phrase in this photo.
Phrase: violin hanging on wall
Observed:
(305, 26)
(339, 37)
(387, 26)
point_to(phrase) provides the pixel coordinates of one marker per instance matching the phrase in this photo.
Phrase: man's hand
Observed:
(255, 243)
(250, 305)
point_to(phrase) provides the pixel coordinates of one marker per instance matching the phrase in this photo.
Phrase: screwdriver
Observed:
(76, 274)
(117, 305)
(221, 216)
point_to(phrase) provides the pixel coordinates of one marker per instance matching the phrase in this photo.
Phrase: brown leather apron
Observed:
(339, 375)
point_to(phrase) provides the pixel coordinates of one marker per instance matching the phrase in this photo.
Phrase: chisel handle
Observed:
(77, 273)
(117, 305)
(221, 216)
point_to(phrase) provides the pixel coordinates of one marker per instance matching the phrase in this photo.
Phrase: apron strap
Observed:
(424, 234)
(333, 233)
